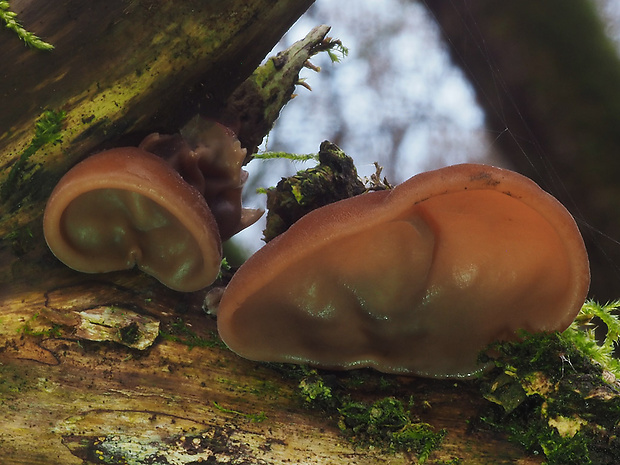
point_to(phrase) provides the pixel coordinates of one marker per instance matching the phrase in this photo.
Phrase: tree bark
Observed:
(547, 77)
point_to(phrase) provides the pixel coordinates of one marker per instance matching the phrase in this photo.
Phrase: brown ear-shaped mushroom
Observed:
(126, 207)
(416, 280)
(209, 156)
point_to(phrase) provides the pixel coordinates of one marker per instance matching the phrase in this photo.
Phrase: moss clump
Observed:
(554, 393)
(313, 389)
(387, 423)
(334, 178)
(583, 334)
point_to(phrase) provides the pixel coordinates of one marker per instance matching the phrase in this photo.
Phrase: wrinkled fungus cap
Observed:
(126, 207)
(209, 157)
(416, 280)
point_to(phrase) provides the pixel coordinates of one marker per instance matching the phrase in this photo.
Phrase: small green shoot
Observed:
(224, 266)
(582, 334)
(253, 417)
(10, 22)
(287, 156)
(336, 51)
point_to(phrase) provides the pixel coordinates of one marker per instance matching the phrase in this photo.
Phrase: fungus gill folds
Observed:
(415, 280)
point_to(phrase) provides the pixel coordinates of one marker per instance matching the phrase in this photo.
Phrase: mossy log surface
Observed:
(64, 400)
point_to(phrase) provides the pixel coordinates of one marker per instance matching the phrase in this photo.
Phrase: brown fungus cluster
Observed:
(164, 207)
(209, 157)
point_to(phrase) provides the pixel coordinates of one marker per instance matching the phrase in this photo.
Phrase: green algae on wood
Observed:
(47, 130)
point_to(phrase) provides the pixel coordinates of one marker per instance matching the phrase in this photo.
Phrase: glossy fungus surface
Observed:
(416, 280)
(126, 207)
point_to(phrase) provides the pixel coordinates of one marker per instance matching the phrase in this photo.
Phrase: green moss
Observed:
(556, 394)
(313, 389)
(583, 334)
(47, 130)
(387, 423)
(286, 156)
